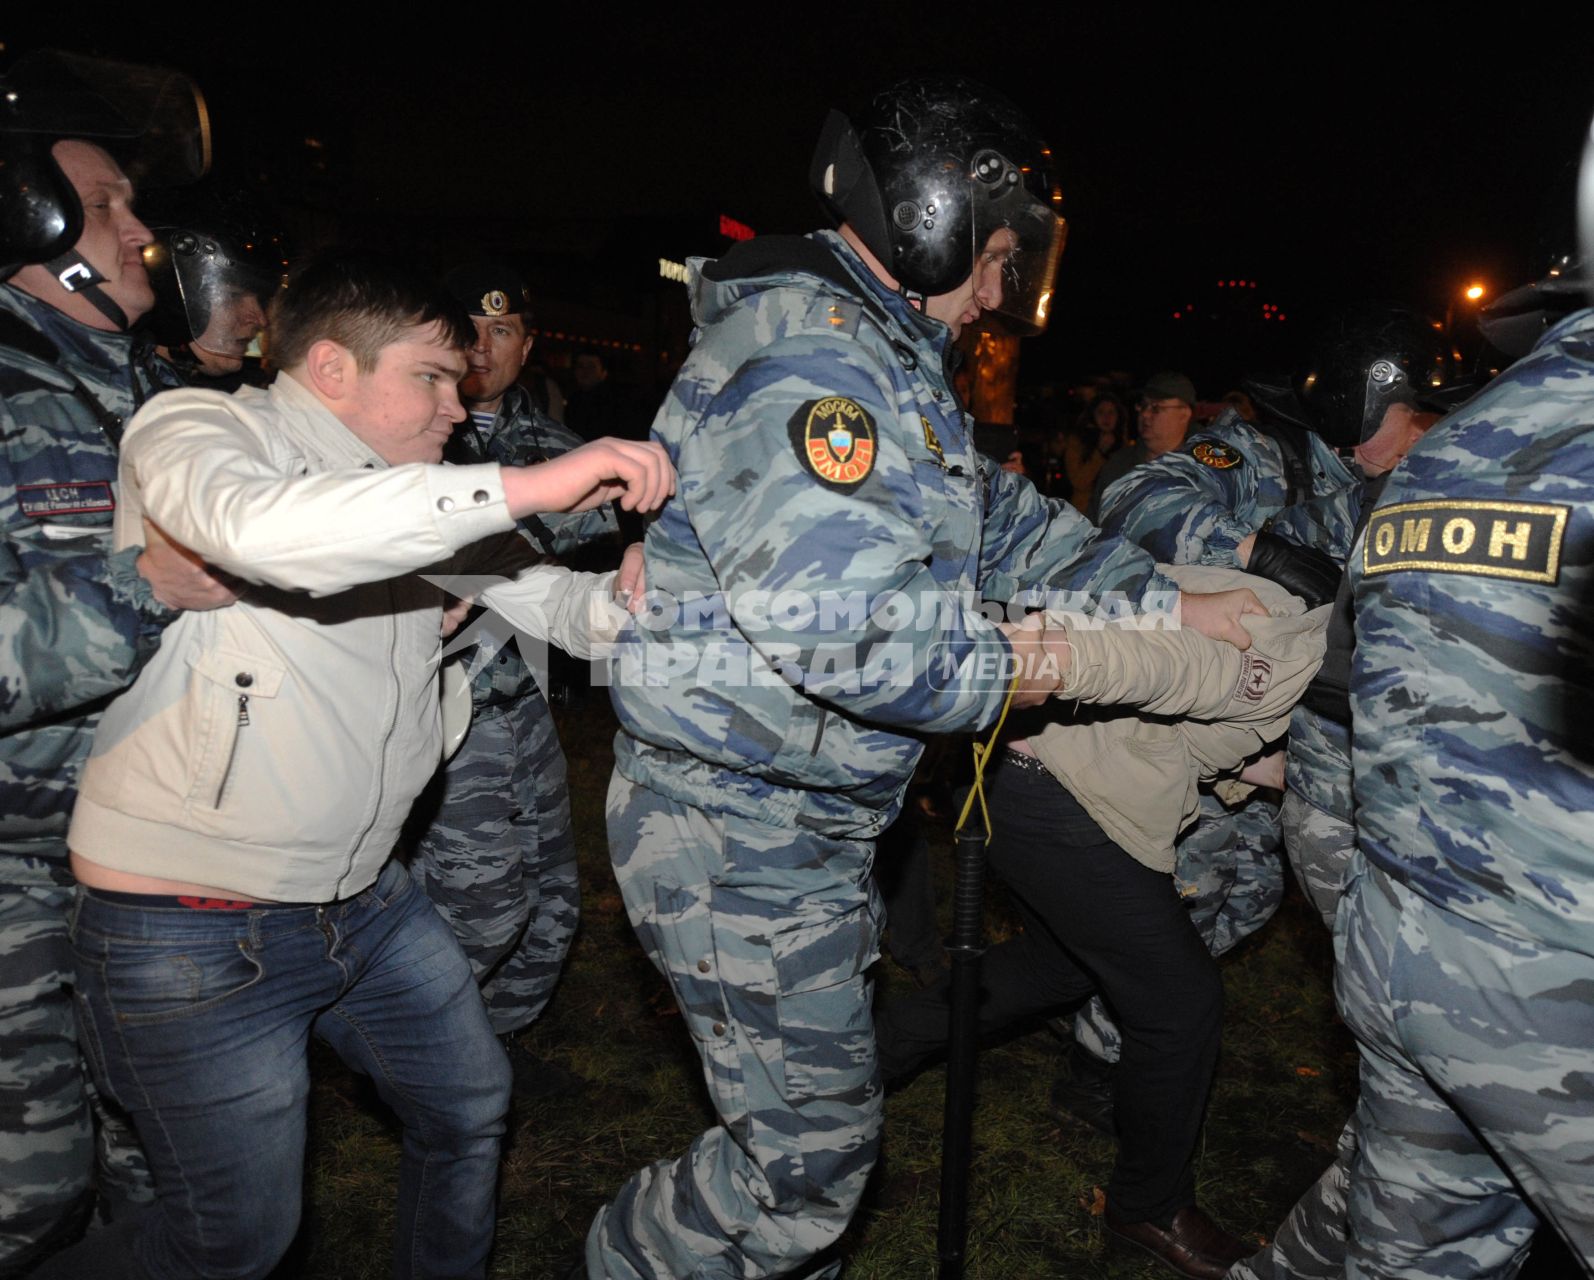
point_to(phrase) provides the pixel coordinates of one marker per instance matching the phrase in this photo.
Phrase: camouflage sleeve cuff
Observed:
(1223, 542)
(1159, 582)
(131, 588)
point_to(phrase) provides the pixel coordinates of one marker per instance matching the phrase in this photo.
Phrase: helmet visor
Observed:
(225, 300)
(1018, 240)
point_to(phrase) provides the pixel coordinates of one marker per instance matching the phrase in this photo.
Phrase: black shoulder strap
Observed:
(19, 334)
(1329, 692)
(22, 336)
(1297, 451)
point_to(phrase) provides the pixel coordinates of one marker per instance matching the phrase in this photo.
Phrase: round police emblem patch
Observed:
(835, 439)
(1212, 454)
(495, 302)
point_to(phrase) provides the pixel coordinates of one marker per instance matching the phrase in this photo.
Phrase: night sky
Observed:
(1358, 155)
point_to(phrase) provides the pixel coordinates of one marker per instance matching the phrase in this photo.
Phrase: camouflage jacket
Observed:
(76, 621)
(522, 434)
(1196, 504)
(1472, 687)
(814, 583)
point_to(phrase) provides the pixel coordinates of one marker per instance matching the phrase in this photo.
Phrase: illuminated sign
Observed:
(735, 230)
(672, 270)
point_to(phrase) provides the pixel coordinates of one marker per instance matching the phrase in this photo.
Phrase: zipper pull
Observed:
(243, 708)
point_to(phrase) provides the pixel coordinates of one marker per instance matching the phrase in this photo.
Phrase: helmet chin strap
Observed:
(74, 273)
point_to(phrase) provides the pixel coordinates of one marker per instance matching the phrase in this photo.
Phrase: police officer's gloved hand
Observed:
(1302, 571)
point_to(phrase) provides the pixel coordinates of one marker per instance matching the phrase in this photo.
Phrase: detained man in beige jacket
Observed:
(1085, 807)
(238, 812)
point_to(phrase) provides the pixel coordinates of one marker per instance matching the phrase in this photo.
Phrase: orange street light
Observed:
(1474, 292)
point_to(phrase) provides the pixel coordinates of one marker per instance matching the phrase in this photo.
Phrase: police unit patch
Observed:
(835, 438)
(932, 441)
(1212, 454)
(74, 498)
(1256, 674)
(1516, 540)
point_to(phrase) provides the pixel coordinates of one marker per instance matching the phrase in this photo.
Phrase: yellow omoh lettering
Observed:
(1384, 539)
(1499, 539)
(1458, 536)
(1414, 535)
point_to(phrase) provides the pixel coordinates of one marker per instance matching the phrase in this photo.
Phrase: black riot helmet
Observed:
(1366, 358)
(153, 120)
(938, 173)
(215, 267)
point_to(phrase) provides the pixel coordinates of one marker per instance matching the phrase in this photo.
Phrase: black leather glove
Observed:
(1302, 571)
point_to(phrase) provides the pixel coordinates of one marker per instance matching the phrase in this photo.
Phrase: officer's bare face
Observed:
(405, 408)
(495, 359)
(113, 238)
(981, 292)
(1163, 424)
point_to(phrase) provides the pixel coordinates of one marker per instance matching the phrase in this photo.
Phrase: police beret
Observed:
(489, 287)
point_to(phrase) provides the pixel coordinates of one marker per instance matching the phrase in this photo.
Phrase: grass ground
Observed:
(1285, 1084)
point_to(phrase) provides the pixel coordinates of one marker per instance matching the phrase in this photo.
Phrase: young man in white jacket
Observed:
(238, 812)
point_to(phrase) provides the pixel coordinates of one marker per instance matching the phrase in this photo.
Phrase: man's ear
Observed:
(330, 369)
(525, 347)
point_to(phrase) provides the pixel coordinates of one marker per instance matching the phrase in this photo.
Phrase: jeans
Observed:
(197, 1022)
(1095, 920)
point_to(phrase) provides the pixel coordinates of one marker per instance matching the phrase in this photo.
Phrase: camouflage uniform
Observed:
(76, 624)
(1320, 834)
(1464, 941)
(497, 857)
(1318, 828)
(1194, 506)
(822, 453)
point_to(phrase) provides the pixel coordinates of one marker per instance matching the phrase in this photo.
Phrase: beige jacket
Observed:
(274, 748)
(1182, 710)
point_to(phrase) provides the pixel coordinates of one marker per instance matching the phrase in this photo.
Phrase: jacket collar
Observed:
(314, 426)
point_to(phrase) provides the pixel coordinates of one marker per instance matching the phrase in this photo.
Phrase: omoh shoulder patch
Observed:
(835, 439)
(1520, 541)
(1211, 453)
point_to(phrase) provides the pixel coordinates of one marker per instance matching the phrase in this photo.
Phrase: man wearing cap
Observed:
(497, 860)
(1167, 403)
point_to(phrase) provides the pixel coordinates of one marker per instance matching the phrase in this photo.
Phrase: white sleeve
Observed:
(201, 467)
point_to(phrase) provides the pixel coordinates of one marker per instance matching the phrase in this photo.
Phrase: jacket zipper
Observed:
(232, 751)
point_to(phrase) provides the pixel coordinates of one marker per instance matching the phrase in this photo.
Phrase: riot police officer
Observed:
(77, 621)
(1463, 939)
(822, 454)
(214, 268)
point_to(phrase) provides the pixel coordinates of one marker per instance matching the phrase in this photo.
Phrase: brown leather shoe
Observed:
(1192, 1244)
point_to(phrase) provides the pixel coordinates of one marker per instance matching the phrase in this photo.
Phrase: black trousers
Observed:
(1095, 920)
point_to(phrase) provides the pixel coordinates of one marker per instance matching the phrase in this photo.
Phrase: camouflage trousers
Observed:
(1475, 1120)
(1321, 847)
(58, 1140)
(1228, 870)
(498, 859)
(764, 934)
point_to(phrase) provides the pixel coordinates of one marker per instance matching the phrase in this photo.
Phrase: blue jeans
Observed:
(197, 1023)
